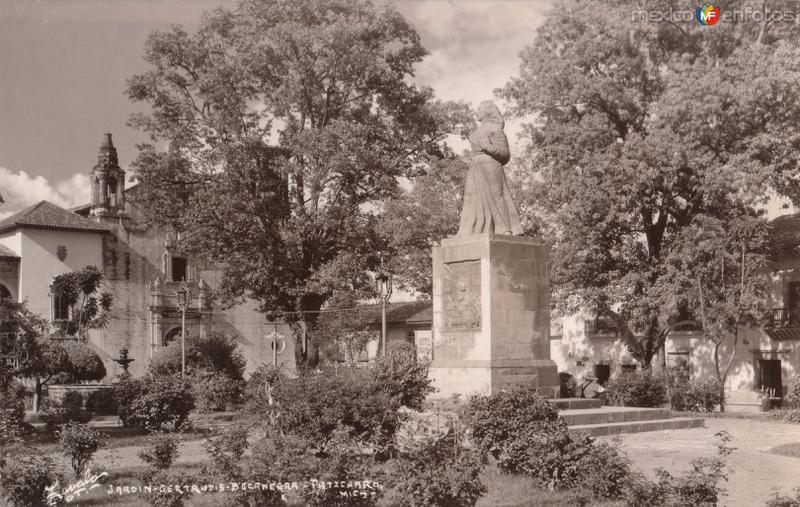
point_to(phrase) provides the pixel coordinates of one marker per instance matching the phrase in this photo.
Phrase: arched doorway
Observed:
(172, 335)
(4, 292)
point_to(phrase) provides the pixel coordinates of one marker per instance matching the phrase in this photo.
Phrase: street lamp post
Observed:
(383, 285)
(184, 299)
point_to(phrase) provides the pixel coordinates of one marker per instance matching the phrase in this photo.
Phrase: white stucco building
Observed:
(143, 265)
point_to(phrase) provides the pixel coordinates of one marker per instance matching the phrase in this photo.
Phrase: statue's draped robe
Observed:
(488, 207)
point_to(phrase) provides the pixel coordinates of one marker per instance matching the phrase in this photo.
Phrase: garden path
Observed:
(754, 470)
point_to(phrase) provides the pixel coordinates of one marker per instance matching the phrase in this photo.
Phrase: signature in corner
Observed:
(56, 494)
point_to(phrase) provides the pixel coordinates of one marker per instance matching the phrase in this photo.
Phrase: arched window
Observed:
(4, 292)
(172, 335)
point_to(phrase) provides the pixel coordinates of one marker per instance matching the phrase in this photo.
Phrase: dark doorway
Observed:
(172, 335)
(179, 269)
(771, 375)
(4, 293)
(602, 372)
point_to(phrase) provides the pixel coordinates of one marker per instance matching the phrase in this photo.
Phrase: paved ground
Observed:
(754, 470)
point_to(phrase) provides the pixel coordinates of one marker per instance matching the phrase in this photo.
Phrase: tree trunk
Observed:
(37, 396)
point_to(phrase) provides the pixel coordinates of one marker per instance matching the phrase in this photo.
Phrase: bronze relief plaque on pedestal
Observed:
(461, 296)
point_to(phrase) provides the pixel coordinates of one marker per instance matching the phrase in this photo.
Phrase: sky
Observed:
(64, 63)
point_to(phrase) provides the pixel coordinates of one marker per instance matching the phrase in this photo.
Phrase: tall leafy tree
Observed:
(24, 351)
(643, 129)
(89, 306)
(720, 267)
(419, 218)
(285, 124)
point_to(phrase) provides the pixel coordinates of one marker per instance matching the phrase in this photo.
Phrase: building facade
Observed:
(144, 267)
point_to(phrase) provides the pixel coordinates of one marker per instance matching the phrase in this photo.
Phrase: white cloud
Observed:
(20, 190)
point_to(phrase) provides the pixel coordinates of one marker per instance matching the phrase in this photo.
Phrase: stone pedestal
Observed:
(491, 315)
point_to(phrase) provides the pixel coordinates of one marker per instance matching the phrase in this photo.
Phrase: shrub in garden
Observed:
(24, 478)
(215, 364)
(636, 389)
(403, 377)
(160, 451)
(314, 405)
(221, 354)
(788, 415)
(125, 391)
(226, 448)
(12, 417)
(214, 390)
(792, 397)
(155, 400)
(79, 443)
(173, 494)
(436, 473)
(701, 485)
(340, 458)
(84, 364)
(69, 410)
(521, 430)
(699, 396)
(498, 422)
(779, 500)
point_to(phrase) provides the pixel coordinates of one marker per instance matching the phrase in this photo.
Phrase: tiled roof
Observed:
(46, 215)
(7, 253)
(406, 313)
(785, 233)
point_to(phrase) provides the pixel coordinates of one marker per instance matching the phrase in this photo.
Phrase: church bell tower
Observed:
(108, 182)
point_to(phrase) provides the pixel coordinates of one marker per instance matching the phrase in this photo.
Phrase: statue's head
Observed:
(488, 113)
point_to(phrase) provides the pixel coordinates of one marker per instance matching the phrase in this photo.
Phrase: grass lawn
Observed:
(518, 491)
(791, 450)
(113, 438)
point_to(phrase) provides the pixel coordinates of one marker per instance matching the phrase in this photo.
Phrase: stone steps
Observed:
(574, 403)
(674, 423)
(608, 415)
(588, 417)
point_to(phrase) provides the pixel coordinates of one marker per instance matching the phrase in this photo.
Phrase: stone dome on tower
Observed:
(108, 182)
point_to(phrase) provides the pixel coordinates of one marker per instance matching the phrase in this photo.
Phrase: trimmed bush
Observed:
(160, 451)
(79, 443)
(700, 396)
(636, 389)
(24, 478)
(84, 364)
(155, 400)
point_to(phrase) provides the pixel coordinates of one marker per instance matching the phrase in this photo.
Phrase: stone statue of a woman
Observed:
(488, 207)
